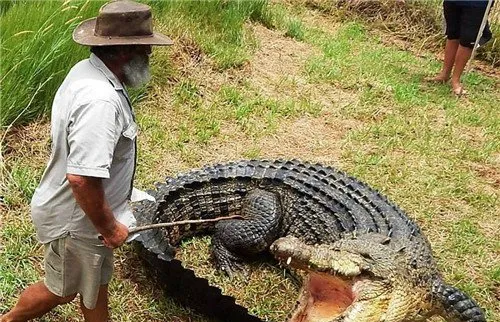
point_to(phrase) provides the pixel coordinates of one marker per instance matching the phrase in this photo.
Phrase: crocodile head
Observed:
(355, 279)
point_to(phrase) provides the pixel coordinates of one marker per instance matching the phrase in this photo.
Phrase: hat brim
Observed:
(84, 35)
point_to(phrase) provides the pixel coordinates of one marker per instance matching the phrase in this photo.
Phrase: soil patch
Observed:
(278, 70)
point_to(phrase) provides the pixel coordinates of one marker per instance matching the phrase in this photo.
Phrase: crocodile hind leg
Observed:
(234, 240)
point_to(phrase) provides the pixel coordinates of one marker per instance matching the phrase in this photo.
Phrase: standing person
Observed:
(463, 21)
(86, 186)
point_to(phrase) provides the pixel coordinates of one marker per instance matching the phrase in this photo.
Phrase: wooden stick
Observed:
(176, 223)
(182, 222)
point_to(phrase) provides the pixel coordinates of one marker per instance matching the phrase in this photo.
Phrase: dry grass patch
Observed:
(315, 139)
(32, 140)
(277, 69)
(491, 174)
(24, 152)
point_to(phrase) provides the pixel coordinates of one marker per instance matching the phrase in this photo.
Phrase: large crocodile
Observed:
(322, 207)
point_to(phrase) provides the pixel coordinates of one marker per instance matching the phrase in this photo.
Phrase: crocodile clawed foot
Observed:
(233, 269)
(227, 261)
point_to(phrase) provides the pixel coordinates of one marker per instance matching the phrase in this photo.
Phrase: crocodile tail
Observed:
(455, 305)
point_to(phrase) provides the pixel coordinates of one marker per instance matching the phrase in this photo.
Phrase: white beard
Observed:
(137, 72)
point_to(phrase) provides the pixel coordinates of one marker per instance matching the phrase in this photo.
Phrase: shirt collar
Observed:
(99, 64)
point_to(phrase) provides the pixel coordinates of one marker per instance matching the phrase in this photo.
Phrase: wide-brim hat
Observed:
(120, 22)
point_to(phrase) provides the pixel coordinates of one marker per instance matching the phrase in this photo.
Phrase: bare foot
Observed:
(458, 89)
(438, 79)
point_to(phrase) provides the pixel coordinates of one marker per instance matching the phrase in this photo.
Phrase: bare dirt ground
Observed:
(276, 70)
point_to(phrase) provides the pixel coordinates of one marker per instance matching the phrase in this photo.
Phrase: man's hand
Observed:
(89, 194)
(116, 237)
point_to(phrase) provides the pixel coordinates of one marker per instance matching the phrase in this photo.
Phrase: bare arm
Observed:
(89, 194)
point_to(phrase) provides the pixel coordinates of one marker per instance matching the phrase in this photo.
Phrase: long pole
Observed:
(183, 222)
(479, 34)
(177, 223)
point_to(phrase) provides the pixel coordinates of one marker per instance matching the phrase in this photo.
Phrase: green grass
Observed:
(36, 40)
(295, 29)
(19, 259)
(216, 26)
(37, 50)
(433, 154)
(24, 180)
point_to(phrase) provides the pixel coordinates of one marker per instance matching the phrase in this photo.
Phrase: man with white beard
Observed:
(85, 189)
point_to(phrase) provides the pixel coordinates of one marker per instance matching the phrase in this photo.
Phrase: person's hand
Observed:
(116, 237)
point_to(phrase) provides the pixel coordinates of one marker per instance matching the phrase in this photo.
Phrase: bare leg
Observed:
(450, 53)
(34, 302)
(461, 59)
(100, 312)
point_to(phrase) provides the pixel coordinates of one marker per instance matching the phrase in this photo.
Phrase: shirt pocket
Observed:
(125, 147)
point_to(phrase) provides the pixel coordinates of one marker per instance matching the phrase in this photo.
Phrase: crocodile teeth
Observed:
(289, 260)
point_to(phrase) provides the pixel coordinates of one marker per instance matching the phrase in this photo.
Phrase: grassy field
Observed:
(290, 80)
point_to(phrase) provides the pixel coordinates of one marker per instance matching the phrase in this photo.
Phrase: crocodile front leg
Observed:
(236, 239)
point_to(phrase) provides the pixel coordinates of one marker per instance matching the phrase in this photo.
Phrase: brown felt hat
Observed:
(120, 22)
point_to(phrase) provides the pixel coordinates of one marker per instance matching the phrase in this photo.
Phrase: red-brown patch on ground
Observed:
(490, 173)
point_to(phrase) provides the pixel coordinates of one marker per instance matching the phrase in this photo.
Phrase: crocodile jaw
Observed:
(323, 298)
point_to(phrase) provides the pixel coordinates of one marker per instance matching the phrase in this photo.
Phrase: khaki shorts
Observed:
(80, 266)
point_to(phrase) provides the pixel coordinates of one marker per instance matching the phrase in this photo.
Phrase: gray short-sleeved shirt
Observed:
(93, 134)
